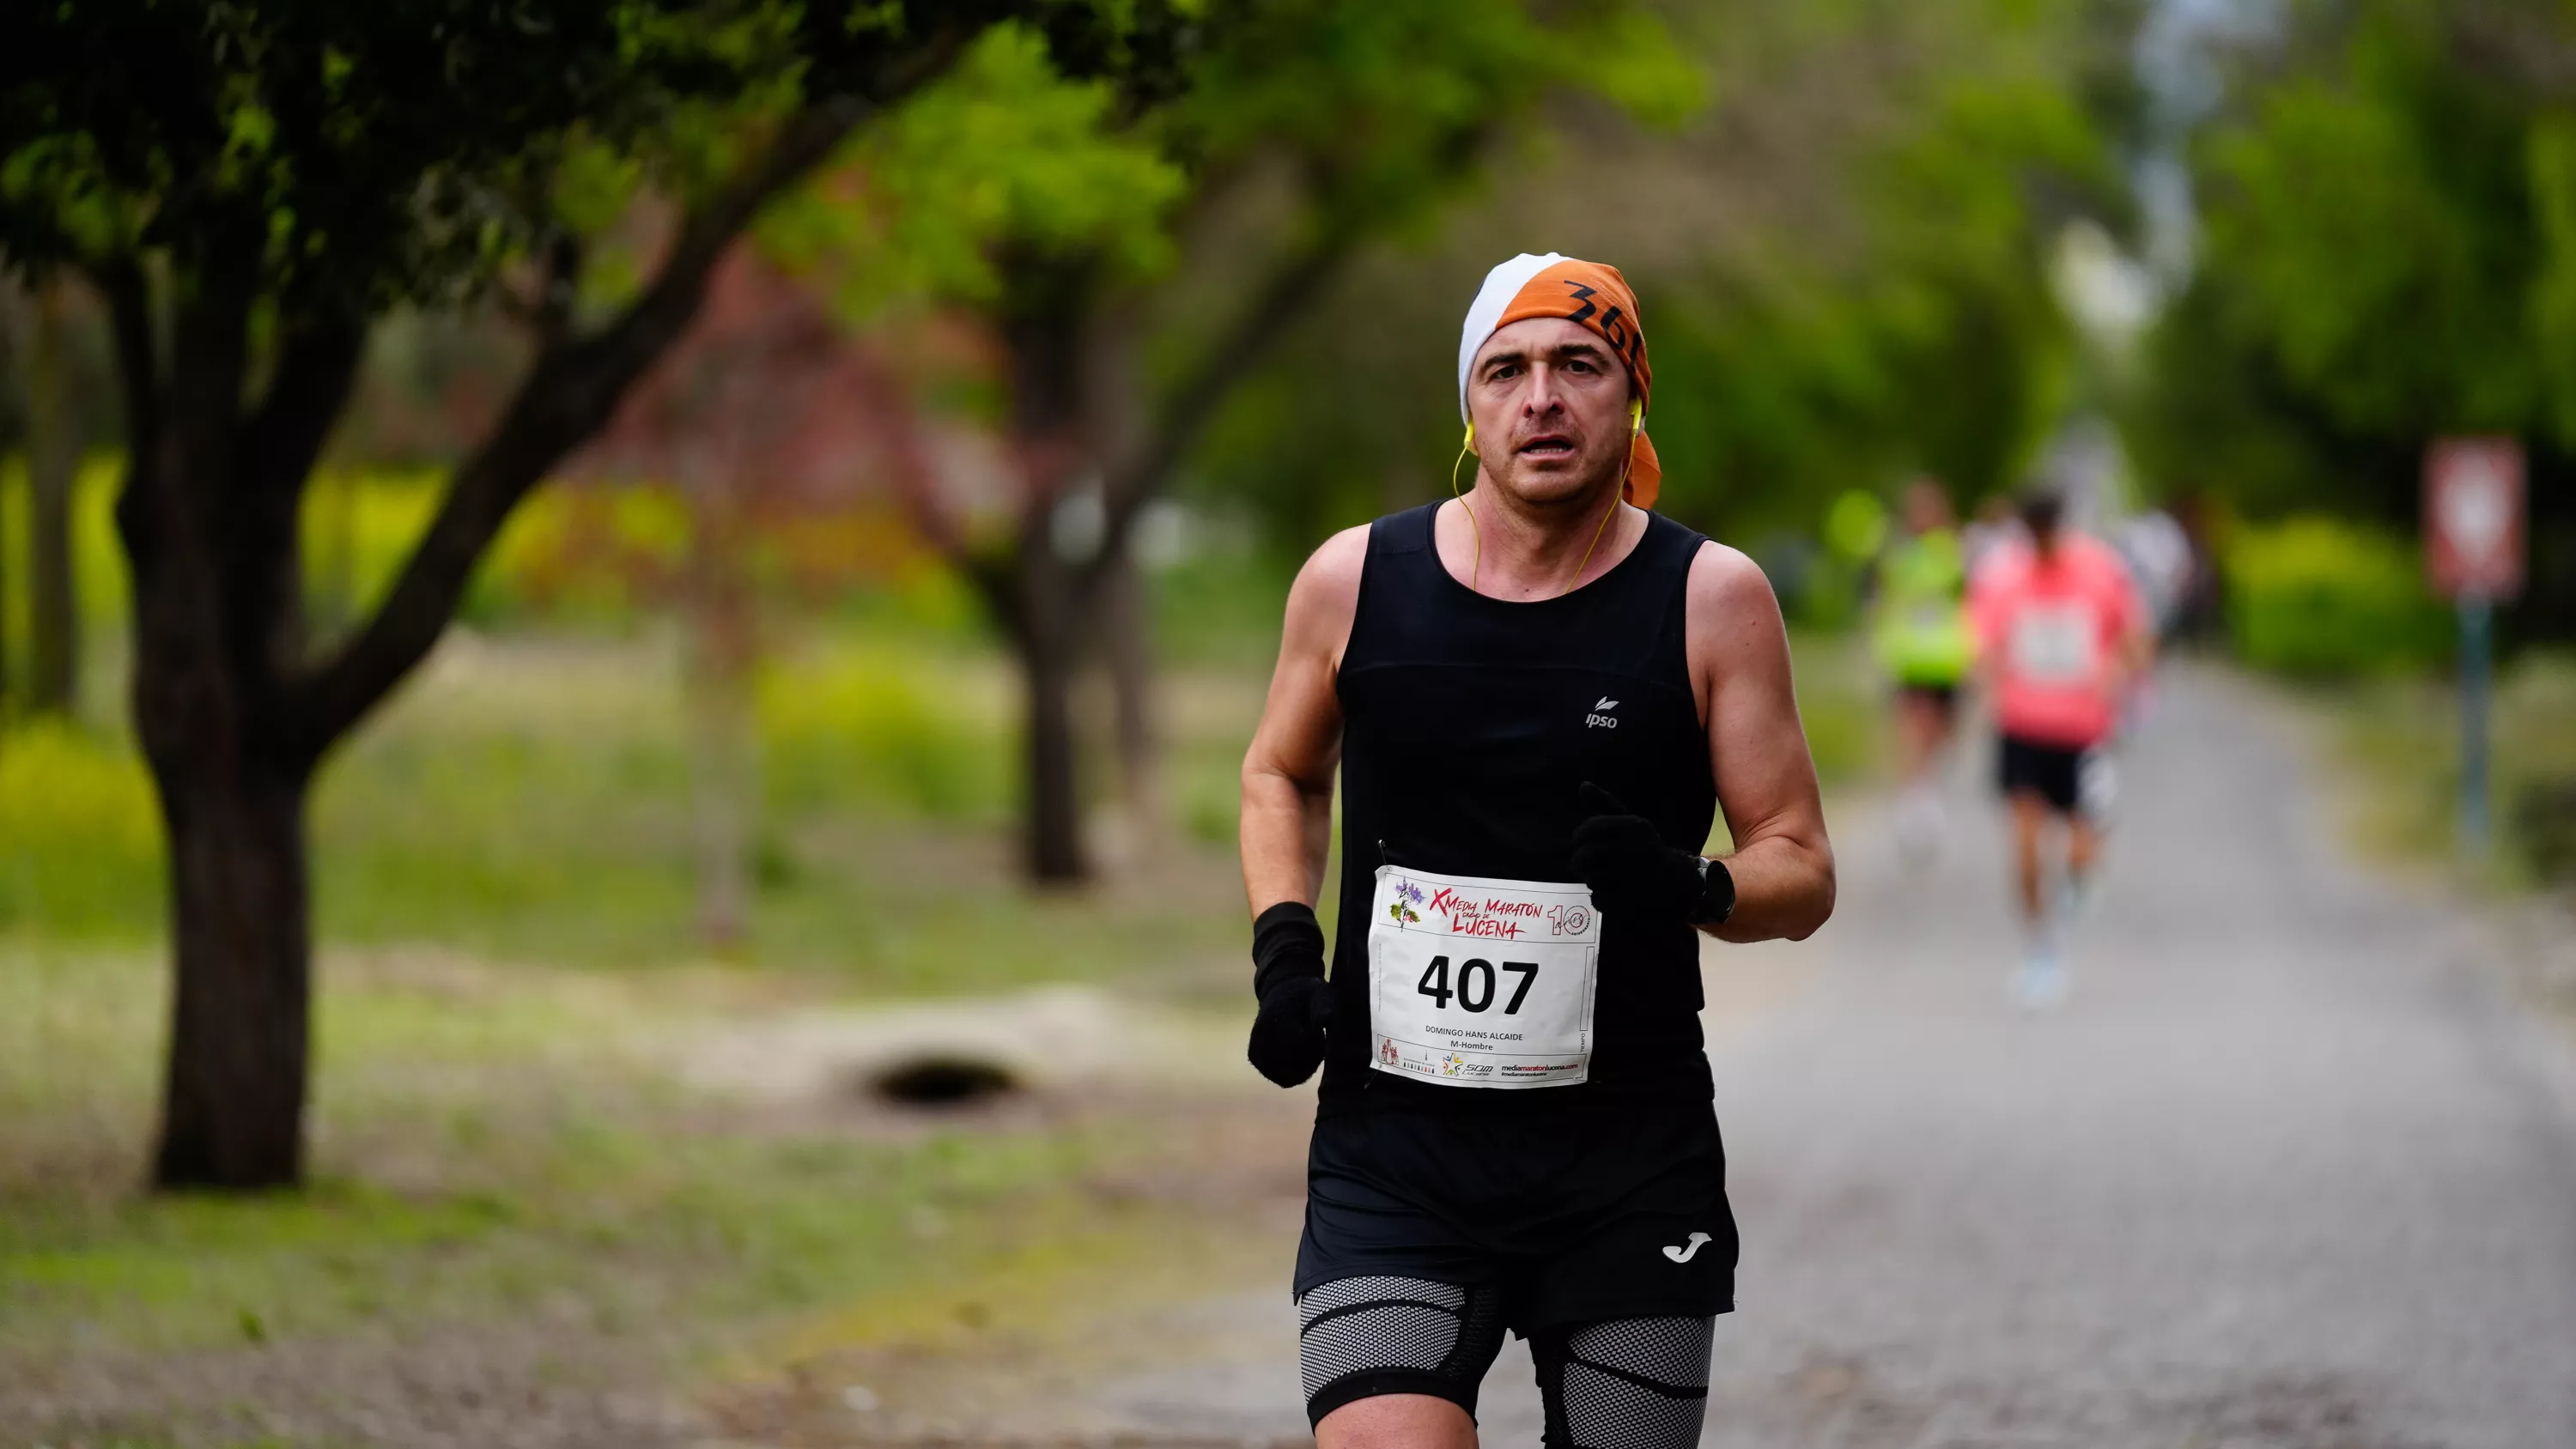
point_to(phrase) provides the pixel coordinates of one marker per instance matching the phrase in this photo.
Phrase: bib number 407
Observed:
(1476, 983)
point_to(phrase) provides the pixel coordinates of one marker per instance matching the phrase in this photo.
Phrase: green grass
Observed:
(541, 809)
(2400, 739)
(491, 1146)
(532, 800)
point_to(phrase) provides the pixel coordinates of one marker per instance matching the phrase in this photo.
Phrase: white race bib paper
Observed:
(1481, 983)
(2054, 644)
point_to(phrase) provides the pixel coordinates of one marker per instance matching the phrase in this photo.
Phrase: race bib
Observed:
(2054, 644)
(1481, 983)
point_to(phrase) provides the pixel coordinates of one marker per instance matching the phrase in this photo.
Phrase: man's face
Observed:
(1550, 405)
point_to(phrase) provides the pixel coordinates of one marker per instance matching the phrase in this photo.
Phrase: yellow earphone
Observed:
(1476, 568)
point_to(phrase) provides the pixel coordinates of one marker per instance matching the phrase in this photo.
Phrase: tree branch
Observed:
(273, 458)
(1291, 289)
(1341, 227)
(569, 393)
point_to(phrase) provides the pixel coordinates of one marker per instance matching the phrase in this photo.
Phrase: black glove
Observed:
(1296, 1003)
(1635, 877)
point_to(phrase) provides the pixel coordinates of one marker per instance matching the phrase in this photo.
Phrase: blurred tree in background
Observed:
(1137, 251)
(250, 186)
(781, 434)
(58, 409)
(2388, 255)
(1840, 259)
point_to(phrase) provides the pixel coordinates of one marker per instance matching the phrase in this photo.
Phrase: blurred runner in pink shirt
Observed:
(2061, 631)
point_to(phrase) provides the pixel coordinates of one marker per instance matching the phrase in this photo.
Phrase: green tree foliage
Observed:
(1930, 341)
(1137, 250)
(1840, 260)
(2387, 197)
(1006, 147)
(252, 184)
(2389, 255)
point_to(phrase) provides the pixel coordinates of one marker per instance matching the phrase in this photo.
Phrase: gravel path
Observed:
(2289, 1170)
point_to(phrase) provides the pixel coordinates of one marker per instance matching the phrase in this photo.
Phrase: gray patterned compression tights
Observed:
(1624, 1383)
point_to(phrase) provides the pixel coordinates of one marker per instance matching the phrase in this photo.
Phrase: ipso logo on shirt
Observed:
(1599, 718)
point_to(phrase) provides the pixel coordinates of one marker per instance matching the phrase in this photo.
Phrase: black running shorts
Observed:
(2055, 773)
(1571, 1217)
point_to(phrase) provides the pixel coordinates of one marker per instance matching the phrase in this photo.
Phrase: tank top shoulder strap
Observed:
(1406, 532)
(1669, 549)
(1395, 584)
(1663, 588)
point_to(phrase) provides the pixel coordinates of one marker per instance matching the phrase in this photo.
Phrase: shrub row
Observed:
(2325, 598)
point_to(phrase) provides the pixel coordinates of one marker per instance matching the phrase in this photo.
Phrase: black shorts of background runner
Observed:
(2055, 773)
(1571, 1216)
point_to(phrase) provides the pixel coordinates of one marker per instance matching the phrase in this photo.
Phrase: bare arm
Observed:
(1288, 772)
(2137, 651)
(1766, 781)
(2137, 645)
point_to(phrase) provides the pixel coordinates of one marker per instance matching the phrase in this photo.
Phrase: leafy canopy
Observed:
(1005, 146)
(1385, 109)
(2374, 219)
(406, 149)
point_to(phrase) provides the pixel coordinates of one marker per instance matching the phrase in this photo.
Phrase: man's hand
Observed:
(1296, 1002)
(1633, 875)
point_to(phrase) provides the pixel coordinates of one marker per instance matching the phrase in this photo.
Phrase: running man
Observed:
(1926, 646)
(2061, 633)
(1540, 695)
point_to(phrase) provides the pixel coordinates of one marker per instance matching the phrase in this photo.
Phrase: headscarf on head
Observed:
(1592, 294)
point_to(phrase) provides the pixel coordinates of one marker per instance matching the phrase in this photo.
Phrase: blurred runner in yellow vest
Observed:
(1923, 640)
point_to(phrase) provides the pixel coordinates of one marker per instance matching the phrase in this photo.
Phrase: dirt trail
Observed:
(1177, 1331)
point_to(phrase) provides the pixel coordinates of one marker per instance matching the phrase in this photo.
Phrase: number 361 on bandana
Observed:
(1481, 983)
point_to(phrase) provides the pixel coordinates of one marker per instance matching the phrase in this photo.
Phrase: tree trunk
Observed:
(723, 653)
(233, 1102)
(1127, 639)
(1049, 634)
(208, 518)
(1044, 307)
(54, 446)
(1055, 846)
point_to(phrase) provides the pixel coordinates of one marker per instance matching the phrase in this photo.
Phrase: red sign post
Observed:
(2473, 547)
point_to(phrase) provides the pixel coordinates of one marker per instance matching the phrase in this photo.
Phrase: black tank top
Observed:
(1468, 726)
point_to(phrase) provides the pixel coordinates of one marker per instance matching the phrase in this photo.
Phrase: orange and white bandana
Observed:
(1592, 294)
